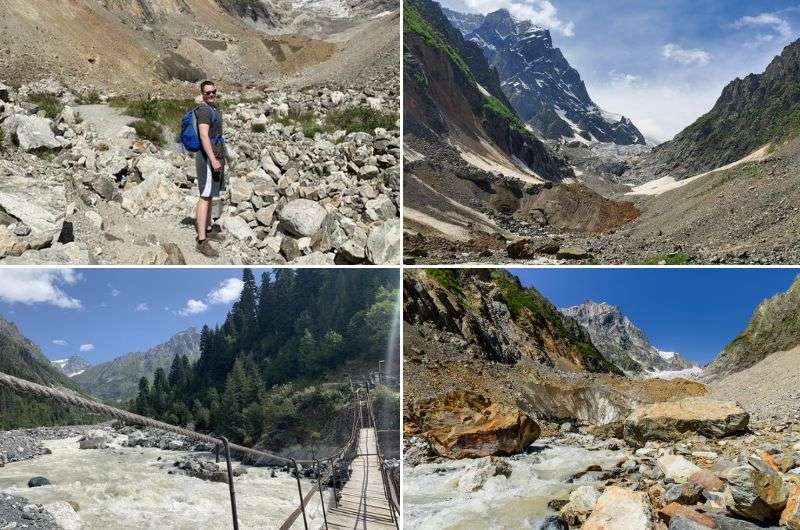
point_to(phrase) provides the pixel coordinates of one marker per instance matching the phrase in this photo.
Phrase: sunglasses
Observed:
(210, 93)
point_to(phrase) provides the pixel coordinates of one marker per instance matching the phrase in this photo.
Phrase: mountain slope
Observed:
(774, 327)
(118, 380)
(452, 93)
(499, 319)
(127, 45)
(624, 344)
(22, 358)
(71, 367)
(541, 85)
(750, 113)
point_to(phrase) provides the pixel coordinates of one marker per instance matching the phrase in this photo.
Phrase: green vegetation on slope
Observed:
(273, 353)
(167, 112)
(518, 299)
(351, 119)
(447, 279)
(48, 103)
(415, 23)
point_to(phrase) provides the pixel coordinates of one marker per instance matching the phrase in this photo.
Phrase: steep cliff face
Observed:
(750, 113)
(500, 320)
(451, 91)
(541, 85)
(621, 341)
(774, 327)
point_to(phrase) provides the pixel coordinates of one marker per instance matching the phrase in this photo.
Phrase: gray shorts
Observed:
(207, 184)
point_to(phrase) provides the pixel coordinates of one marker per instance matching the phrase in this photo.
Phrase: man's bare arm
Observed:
(207, 148)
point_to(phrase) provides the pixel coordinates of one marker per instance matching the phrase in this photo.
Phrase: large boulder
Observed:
(620, 508)
(671, 420)
(677, 468)
(790, 517)
(64, 515)
(302, 217)
(35, 132)
(384, 243)
(463, 424)
(156, 191)
(39, 203)
(35, 482)
(755, 491)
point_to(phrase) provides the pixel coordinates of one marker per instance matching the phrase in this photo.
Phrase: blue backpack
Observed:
(190, 133)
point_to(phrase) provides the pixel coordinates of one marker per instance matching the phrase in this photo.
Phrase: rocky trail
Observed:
(305, 185)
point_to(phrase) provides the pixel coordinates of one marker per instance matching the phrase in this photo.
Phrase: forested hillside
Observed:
(22, 358)
(265, 374)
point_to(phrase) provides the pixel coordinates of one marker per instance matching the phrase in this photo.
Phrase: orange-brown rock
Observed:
(674, 509)
(620, 508)
(464, 424)
(709, 480)
(790, 517)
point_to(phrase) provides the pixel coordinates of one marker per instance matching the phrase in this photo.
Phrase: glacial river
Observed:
(444, 496)
(127, 488)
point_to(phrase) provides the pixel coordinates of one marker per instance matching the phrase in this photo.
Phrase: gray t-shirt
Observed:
(204, 112)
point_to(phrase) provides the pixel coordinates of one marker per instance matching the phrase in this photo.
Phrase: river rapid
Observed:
(463, 494)
(126, 488)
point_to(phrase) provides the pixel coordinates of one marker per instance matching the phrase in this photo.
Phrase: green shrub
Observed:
(2, 139)
(149, 130)
(48, 103)
(258, 128)
(447, 279)
(360, 119)
(167, 112)
(89, 98)
(676, 258)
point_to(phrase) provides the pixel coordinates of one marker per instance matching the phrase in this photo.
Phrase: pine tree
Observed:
(143, 398)
(175, 372)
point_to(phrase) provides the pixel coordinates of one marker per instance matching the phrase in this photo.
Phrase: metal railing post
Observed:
(300, 492)
(230, 483)
(321, 496)
(335, 477)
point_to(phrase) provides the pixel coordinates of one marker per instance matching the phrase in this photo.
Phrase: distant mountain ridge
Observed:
(541, 85)
(621, 341)
(118, 380)
(72, 366)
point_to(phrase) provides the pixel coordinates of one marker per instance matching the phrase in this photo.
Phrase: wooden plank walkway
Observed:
(363, 504)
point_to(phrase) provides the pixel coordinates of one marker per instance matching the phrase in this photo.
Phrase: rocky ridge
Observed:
(318, 199)
(621, 341)
(749, 114)
(72, 366)
(541, 85)
(118, 379)
(773, 327)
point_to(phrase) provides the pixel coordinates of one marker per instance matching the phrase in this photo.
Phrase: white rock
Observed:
(302, 217)
(676, 467)
(95, 219)
(34, 132)
(384, 242)
(64, 515)
(237, 226)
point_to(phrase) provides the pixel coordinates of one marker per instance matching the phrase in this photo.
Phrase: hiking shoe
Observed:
(204, 247)
(214, 232)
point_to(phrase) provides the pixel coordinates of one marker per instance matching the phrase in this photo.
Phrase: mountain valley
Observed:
(562, 412)
(720, 192)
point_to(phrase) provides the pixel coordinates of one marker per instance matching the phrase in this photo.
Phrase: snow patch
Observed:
(687, 373)
(666, 355)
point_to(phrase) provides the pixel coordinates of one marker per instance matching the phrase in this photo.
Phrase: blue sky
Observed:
(695, 312)
(102, 313)
(663, 63)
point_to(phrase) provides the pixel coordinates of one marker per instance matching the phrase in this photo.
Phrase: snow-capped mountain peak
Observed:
(545, 90)
(71, 367)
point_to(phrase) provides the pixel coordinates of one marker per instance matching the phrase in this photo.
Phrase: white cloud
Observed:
(770, 21)
(115, 292)
(679, 104)
(60, 342)
(228, 291)
(38, 286)
(675, 52)
(623, 78)
(541, 12)
(87, 347)
(193, 307)
(142, 307)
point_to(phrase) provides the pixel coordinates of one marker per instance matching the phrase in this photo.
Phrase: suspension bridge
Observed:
(363, 492)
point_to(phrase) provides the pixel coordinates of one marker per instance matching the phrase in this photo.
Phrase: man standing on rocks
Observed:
(210, 165)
